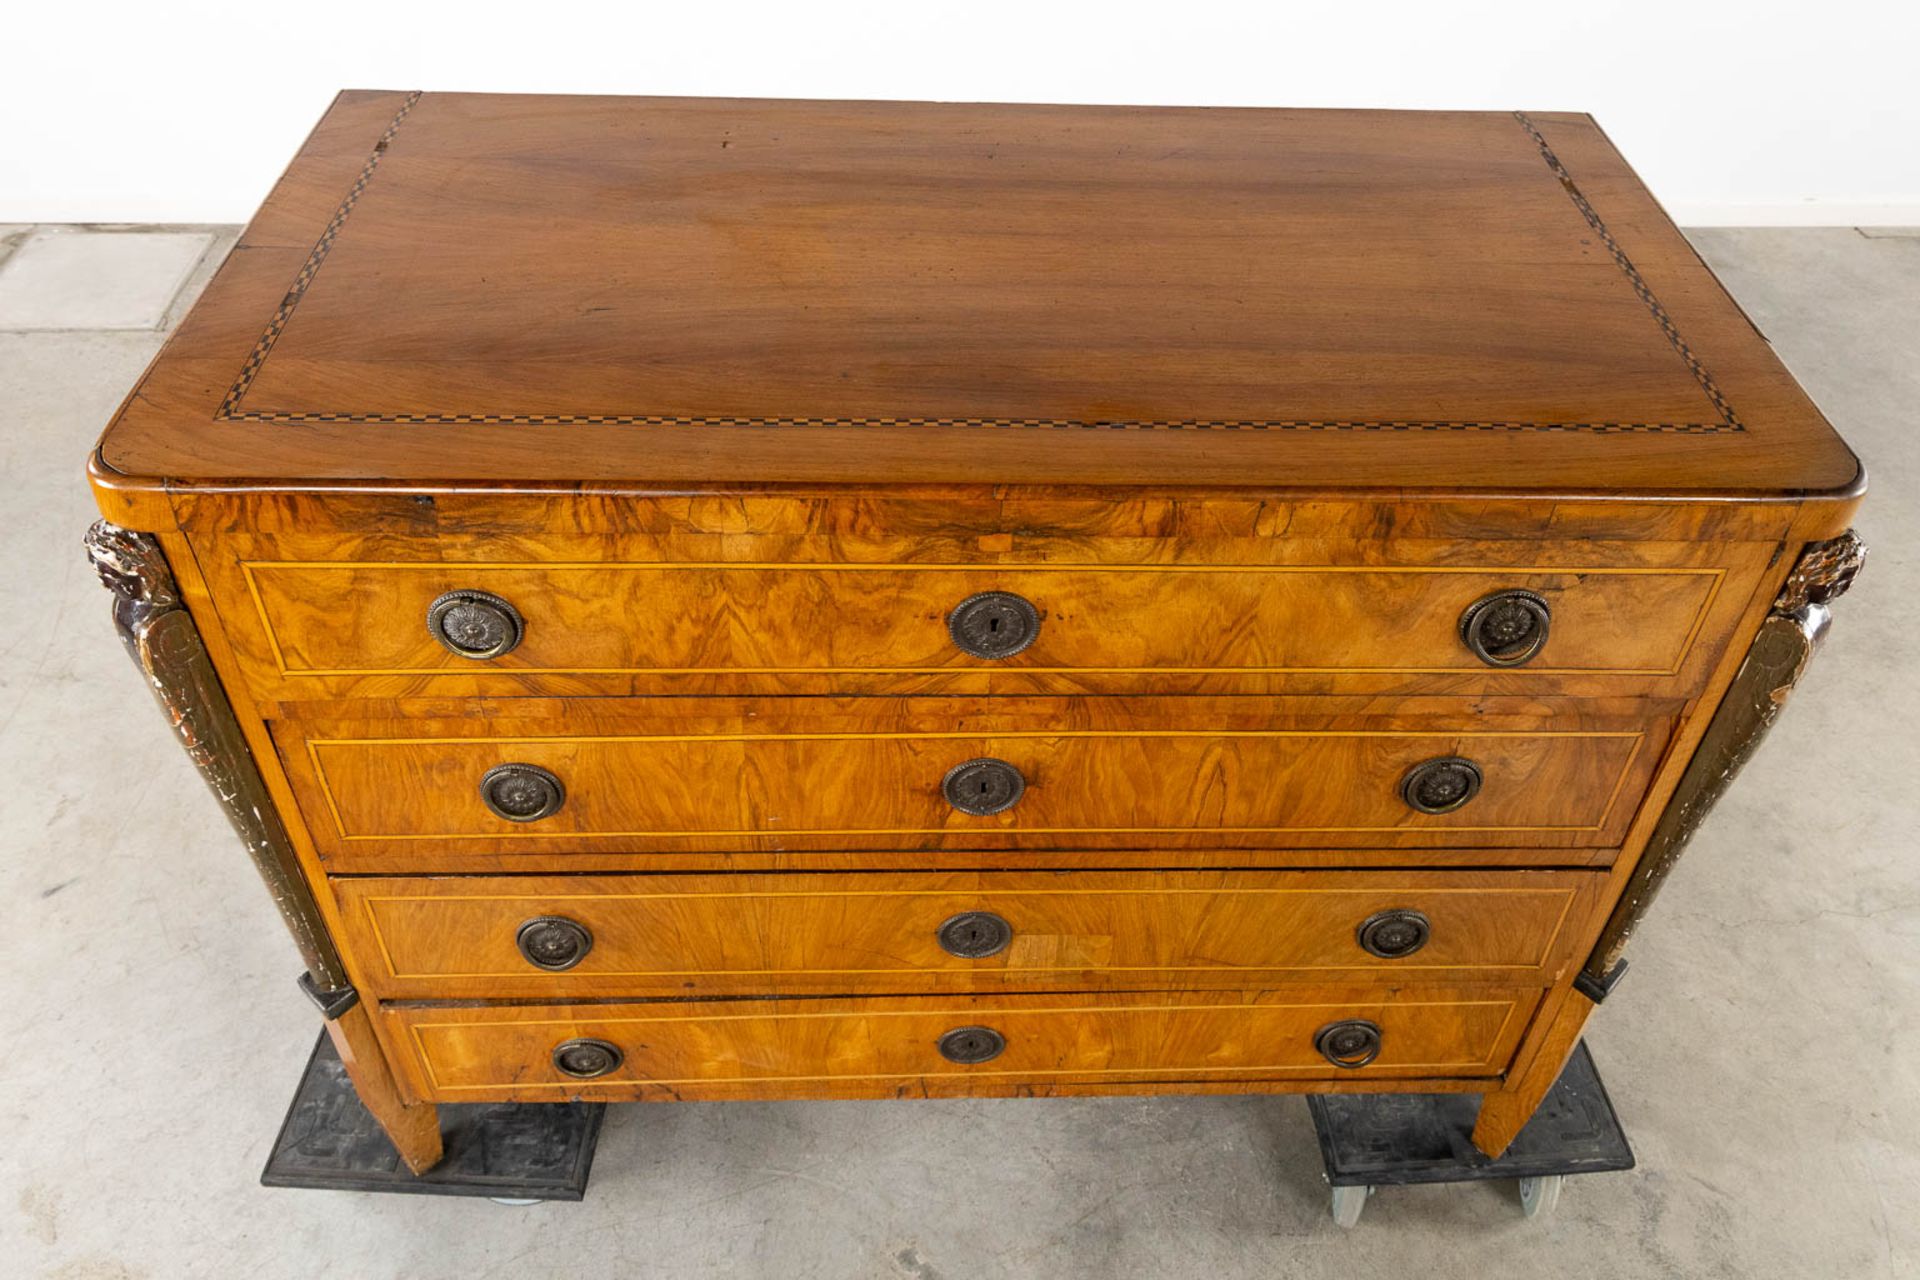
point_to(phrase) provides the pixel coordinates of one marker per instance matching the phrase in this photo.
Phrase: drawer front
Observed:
(912, 790)
(903, 1045)
(327, 628)
(559, 937)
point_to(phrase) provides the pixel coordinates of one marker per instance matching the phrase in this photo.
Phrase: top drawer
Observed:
(317, 629)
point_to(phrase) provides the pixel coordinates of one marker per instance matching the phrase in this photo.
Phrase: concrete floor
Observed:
(1765, 1052)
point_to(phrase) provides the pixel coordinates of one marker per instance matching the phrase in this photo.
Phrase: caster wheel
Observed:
(1538, 1196)
(1348, 1202)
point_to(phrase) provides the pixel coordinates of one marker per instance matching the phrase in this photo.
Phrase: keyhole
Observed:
(993, 624)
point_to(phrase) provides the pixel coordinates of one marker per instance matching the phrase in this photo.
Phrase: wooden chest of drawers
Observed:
(705, 599)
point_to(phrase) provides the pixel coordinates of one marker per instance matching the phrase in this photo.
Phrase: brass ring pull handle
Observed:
(1348, 1045)
(553, 943)
(1393, 934)
(521, 792)
(970, 1045)
(475, 624)
(974, 935)
(1441, 786)
(994, 624)
(1507, 628)
(587, 1059)
(983, 786)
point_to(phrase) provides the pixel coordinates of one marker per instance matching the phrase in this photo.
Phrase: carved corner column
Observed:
(164, 643)
(1775, 663)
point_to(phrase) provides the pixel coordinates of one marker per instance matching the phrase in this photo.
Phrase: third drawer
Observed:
(638, 936)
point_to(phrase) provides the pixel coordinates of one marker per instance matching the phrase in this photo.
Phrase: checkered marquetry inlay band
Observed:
(1580, 202)
(232, 408)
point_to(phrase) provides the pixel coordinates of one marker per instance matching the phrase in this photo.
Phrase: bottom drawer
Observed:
(947, 1046)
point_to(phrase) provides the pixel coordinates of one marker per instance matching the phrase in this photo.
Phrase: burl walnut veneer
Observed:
(713, 599)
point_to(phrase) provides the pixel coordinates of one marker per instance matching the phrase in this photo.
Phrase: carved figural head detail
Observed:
(1824, 572)
(130, 564)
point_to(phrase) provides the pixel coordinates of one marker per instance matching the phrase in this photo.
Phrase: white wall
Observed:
(1735, 111)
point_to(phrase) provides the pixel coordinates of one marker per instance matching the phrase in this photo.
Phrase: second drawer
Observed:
(556, 937)
(399, 787)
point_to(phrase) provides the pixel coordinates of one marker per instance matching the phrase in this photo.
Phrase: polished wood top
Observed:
(451, 289)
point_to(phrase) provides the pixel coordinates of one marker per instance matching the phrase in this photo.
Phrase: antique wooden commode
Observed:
(731, 599)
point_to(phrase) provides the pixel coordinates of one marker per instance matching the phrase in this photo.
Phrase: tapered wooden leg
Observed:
(414, 1127)
(1504, 1114)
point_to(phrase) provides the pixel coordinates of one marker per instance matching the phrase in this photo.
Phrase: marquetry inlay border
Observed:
(233, 406)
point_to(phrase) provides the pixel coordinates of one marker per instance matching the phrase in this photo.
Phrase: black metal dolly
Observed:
(1373, 1140)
